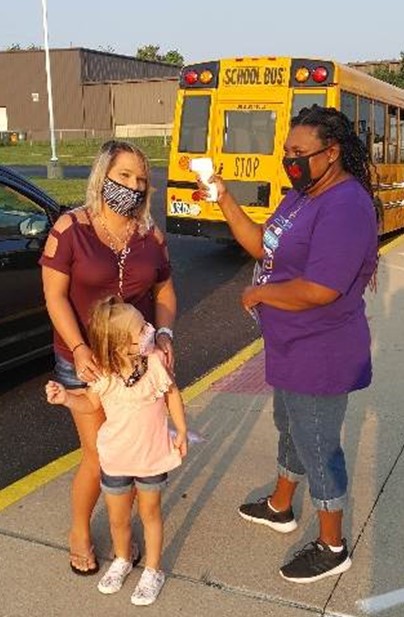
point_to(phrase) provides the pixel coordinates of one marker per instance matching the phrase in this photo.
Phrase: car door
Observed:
(24, 326)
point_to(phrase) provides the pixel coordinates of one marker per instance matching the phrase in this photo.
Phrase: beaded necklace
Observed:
(121, 254)
(138, 372)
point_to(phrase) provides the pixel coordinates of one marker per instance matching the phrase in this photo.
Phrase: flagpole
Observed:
(52, 169)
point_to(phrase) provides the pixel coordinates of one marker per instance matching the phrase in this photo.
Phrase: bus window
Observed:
(401, 111)
(348, 107)
(194, 124)
(364, 132)
(392, 154)
(249, 132)
(301, 100)
(378, 133)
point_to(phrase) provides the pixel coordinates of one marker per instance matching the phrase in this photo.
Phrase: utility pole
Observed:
(54, 169)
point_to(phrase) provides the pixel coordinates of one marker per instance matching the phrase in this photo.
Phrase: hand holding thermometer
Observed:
(204, 168)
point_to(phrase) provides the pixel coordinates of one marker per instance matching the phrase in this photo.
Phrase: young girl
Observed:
(134, 444)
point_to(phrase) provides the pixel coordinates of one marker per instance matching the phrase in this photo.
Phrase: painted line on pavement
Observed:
(375, 604)
(389, 246)
(23, 487)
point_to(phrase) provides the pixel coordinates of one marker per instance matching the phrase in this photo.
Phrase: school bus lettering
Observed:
(274, 76)
(254, 76)
(252, 106)
(245, 167)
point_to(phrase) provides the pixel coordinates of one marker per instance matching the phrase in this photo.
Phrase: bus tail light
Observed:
(302, 74)
(206, 77)
(196, 196)
(191, 77)
(319, 74)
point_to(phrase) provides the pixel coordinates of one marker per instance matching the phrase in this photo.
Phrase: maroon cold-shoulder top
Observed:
(93, 270)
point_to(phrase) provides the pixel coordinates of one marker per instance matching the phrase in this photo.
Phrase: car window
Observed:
(19, 216)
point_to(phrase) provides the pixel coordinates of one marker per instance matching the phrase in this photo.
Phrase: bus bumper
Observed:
(217, 230)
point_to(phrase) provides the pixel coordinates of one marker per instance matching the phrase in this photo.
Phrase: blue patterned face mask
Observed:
(121, 199)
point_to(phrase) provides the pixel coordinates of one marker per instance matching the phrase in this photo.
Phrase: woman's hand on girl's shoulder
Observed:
(86, 368)
(165, 344)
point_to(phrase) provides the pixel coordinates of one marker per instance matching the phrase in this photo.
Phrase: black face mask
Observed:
(298, 170)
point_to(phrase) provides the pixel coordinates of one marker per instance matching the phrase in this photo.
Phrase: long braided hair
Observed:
(334, 126)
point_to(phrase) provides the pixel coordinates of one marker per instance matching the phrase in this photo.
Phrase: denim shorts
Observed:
(65, 373)
(310, 443)
(119, 485)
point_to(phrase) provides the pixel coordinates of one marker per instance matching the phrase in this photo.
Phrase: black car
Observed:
(26, 214)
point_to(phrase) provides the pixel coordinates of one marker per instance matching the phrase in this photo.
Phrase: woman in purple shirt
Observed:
(110, 246)
(317, 253)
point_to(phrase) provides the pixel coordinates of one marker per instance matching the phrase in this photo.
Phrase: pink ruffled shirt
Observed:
(134, 439)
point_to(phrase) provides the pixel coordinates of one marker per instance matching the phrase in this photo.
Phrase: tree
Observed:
(392, 77)
(14, 47)
(174, 57)
(152, 53)
(18, 47)
(108, 49)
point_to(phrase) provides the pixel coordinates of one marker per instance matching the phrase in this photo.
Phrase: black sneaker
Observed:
(316, 561)
(261, 513)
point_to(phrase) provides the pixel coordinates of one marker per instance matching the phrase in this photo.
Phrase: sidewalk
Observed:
(217, 563)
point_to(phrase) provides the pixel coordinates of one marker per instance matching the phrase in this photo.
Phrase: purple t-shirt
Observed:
(330, 240)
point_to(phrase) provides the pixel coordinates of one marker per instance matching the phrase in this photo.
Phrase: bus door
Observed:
(248, 153)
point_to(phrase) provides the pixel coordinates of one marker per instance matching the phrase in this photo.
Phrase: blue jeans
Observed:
(310, 443)
(119, 485)
(65, 373)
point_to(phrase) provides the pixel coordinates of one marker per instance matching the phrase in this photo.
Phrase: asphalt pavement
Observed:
(217, 564)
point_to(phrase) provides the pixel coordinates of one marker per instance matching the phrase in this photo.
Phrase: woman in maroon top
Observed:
(110, 246)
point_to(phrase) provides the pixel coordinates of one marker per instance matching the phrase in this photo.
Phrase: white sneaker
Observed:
(148, 588)
(114, 577)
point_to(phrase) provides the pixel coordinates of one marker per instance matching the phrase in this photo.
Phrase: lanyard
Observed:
(273, 231)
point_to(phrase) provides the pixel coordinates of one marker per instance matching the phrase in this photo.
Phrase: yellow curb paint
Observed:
(192, 391)
(35, 480)
(20, 489)
(389, 246)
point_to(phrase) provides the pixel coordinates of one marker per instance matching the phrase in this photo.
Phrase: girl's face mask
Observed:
(146, 339)
(299, 173)
(121, 199)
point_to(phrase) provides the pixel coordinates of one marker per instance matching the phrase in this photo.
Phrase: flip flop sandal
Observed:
(85, 561)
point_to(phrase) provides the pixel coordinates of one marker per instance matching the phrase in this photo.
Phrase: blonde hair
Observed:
(109, 333)
(102, 165)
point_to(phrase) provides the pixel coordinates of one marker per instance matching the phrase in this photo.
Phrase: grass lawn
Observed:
(77, 152)
(65, 192)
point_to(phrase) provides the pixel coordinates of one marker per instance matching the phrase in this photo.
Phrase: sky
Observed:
(347, 30)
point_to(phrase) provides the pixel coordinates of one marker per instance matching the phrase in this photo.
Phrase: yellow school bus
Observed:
(238, 111)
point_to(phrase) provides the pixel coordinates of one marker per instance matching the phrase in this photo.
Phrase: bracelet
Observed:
(165, 330)
(78, 345)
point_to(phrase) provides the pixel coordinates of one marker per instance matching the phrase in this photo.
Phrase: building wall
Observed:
(150, 102)
(97, 110)
(98, 66)
(81, 108)
(369, 66)
(23, 90)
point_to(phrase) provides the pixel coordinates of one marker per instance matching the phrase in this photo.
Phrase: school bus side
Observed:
(240, 119)
(377, 112)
